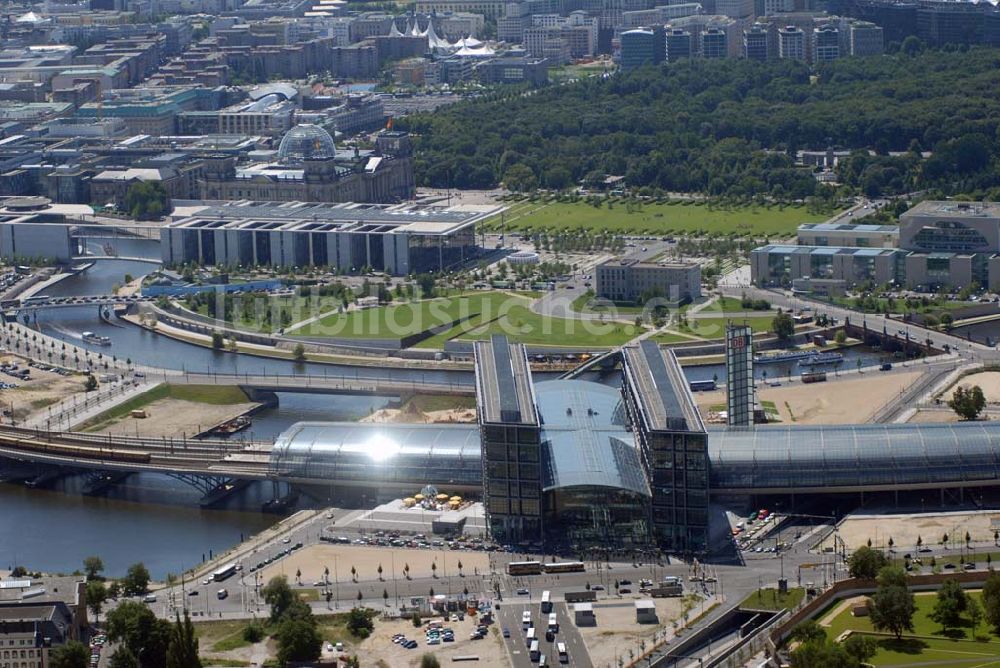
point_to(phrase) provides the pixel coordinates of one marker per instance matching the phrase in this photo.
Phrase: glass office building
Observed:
(673, 446)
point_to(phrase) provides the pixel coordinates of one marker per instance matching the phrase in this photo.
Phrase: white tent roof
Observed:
(394, 31)
(30, 17)
(433, 41)
(470, 52)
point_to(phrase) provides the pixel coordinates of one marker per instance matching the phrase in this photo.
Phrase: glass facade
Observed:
(512, 480)
(673, 448)
(951, 237)
(739, 375)
(438, 253)
(597, 516)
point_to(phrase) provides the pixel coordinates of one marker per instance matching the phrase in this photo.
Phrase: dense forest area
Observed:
(731, 128)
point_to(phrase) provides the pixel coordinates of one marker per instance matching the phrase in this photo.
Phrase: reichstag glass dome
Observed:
(306, 141)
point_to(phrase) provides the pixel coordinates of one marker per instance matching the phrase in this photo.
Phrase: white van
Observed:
(149, 598)
(533, 652)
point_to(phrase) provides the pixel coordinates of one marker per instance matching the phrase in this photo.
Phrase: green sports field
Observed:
(651, 218)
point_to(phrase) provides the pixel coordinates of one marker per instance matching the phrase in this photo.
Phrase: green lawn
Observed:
(675, 217)
(672, 337)
(401, 320)
(298, 309)
(933, 647)
(708, 327)
(580, 305)
(425, 403)
(470, 317)
(219, 395)
(770, 599)
(522, 324)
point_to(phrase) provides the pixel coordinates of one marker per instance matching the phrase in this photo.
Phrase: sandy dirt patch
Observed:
(905, 529)
(989, 381)
(833, 402)
(174, 417)
(311, 560)
(617, 631)
(928, 417)
(430, 417)
(36, 395)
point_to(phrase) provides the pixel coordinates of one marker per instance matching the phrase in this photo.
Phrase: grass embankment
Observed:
(469, 317)
(427, 403)
(227, 635)
(217, 395)
(682, 217)
(770, 598)
(929, 645)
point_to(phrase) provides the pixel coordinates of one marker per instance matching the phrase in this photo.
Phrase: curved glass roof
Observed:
(584, 438)
(306, 141)
(890, 455)
(387, 453)
(584, 450)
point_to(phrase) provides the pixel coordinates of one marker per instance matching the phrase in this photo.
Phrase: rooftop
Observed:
(869, 455)
(40, 591)
(848, 227)
(404, 218)
(503, 383)
(661, 388)
(827, 250)
(585, 439)
(643, 264)
(953, 209)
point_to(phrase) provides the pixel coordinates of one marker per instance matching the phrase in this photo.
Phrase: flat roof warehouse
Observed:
(319, 217)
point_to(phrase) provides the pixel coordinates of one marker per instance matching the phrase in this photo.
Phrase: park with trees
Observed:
(731, 128)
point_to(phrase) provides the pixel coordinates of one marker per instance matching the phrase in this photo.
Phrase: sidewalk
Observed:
(69, 412)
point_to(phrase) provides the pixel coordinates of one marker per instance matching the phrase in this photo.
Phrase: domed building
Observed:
(307, 168)
(306, 141)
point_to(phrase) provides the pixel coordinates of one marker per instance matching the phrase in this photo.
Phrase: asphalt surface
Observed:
(509, 618)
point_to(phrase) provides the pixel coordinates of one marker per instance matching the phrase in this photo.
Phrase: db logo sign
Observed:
(739, 342)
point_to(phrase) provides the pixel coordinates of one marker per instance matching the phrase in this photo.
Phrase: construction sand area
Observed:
(175, 418)
(905, 529)
(617, 631)
(313, 559)
(933, 416)
(989, 381)
(44, 389)
(417, 417)
(836, 401)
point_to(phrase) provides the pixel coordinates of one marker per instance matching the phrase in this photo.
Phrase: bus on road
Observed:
(565, 567)
(546, 602)
(226, 571)
(524, 568)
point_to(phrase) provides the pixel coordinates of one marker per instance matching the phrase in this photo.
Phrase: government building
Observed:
(399, 239)
(309, 168)
(937, 245)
